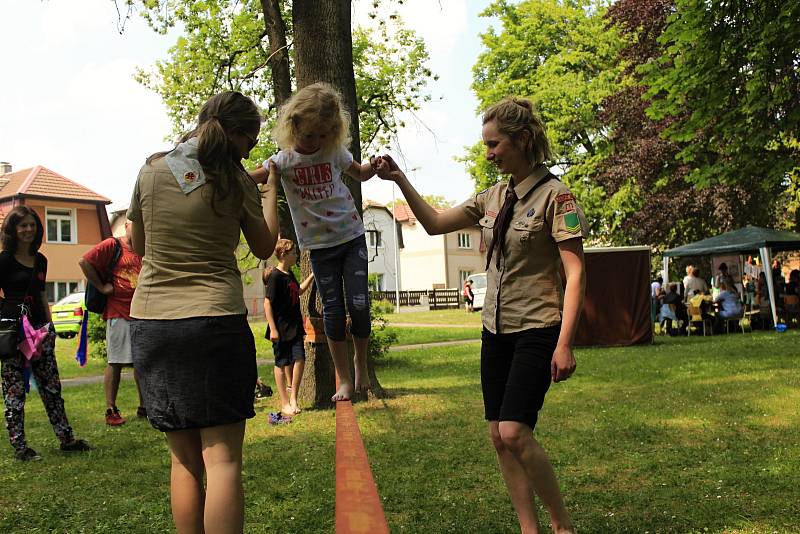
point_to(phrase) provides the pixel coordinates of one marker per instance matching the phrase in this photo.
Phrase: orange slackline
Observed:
(358, 506)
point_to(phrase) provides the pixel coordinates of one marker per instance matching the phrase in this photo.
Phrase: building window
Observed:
(56, 291)
(464, 241)
(462, 277)
(60, 226)
(374, 239)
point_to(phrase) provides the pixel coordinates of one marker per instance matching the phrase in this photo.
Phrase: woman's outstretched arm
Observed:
(434, 222)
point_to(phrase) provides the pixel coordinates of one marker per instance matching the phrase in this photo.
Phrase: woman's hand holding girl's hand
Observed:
(387, 169)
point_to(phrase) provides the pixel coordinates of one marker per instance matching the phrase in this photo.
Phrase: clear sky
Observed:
(68, 100)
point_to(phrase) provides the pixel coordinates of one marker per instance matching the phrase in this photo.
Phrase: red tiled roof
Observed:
(403, 213)
(42, 182)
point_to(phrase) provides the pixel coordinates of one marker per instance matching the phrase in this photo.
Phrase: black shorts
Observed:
(197, 372)
(289, 352)
(515, 373)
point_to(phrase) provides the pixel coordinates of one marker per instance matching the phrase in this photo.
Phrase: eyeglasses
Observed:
(253, 140)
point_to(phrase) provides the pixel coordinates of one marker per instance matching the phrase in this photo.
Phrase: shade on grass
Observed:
(689, 435)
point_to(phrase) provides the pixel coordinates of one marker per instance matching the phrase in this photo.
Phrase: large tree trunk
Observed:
(281, 90)
(278, 51)
(323, 51)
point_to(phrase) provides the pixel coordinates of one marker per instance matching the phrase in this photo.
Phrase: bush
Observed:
(381, 307)
(380, 340)
(96, 334)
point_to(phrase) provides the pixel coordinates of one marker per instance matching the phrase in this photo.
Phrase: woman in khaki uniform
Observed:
(534, 226)
(191, 344)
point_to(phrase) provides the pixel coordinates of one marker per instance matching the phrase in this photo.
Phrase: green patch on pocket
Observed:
(572, 222)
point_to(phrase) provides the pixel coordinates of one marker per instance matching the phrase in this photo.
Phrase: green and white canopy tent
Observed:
(747, 240)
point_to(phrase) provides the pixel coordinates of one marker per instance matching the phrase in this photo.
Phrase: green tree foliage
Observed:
(656, 193)
(96, 335)
(223, 46)
(729, 76)
(561, 55)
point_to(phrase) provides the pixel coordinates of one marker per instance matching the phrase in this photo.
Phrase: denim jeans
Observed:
(341, 274)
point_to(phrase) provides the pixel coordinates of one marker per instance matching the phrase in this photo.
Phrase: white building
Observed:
(438, 261)
(381, 249)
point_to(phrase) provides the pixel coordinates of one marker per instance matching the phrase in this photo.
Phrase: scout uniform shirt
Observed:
(189, 268)
(526, 290)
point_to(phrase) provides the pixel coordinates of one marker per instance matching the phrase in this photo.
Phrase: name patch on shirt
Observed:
(565, 203)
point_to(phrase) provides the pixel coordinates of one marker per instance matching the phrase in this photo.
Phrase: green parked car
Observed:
(68, 314)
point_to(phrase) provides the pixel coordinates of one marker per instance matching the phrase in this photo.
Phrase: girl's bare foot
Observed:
(295, 409)
(287, 409)
(344, 392)
(362, 374)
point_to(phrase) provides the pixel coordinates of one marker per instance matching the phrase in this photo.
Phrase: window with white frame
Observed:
(60, 225)
(56, 291)
(464, 240)
(462, 277)
(374, 239)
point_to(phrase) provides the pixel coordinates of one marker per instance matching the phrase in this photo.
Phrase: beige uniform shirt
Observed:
(189, 266)
(526, 290)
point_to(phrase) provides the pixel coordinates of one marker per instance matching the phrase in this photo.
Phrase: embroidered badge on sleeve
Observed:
(572, 222)
(566, 207)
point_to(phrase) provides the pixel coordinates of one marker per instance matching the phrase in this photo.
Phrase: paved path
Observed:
(128, 374)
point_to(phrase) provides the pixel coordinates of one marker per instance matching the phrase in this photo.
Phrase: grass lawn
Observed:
(688, 435)
(411, 335)
(438, 317)
(69, 368)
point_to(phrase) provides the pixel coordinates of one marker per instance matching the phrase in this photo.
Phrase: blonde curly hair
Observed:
(314, 106)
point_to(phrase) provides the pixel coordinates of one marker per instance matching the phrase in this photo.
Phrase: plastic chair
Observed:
(696, 316)
(739, 321)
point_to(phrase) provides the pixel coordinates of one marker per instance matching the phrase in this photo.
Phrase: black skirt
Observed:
(197, 372)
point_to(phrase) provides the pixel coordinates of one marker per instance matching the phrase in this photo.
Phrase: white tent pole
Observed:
(766, 260)
(665, 275)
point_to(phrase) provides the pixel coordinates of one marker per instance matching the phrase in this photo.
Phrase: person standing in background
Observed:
(117, 314)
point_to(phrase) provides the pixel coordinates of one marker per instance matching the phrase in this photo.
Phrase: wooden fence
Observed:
(437, 299)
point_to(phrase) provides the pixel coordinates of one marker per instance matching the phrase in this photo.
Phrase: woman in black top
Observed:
(23, 271)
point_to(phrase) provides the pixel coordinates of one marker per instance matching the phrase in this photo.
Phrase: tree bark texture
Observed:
(278, 50)
(281, 90)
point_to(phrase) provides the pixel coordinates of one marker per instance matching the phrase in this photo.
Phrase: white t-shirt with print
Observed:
(322, 207)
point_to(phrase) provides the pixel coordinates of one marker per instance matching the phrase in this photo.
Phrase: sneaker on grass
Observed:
(113, 417)
(27, 455)
(76, 445)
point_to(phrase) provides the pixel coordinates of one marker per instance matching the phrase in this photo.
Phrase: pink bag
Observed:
(33, 338)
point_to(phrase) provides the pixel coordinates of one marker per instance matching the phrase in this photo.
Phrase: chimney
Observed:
(5, 167)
